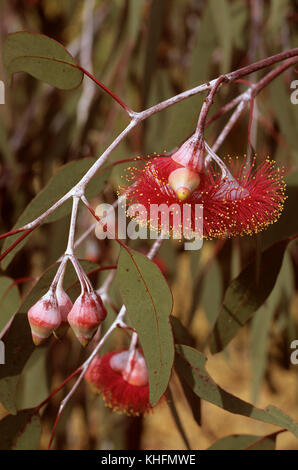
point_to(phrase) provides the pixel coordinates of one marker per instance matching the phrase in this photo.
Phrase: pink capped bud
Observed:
(183, 181)
(44, 317)
(122, 378)
(65, 305)
(86, 315)
(135, 371)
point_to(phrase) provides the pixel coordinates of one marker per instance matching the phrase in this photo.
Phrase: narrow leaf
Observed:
(9, 299)
(245, 295)
(287, 224)
(262, 321)
(181, 334)
(148, 300)
(191, 365)
(223, 30)
(245, 441)
(20, 432)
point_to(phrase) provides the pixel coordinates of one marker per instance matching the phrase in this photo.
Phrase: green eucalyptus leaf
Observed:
(287, 224)
(224, 30)
(181, 333)
(245, 442)
(190, 364)
(21, 431)
(148, 300)
(155, 21)
(245, 295)
(262, 322)
(43, 58)
(9, 299)
(33, 385)
(212, 292)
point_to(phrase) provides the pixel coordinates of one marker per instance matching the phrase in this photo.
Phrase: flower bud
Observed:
(123, 383)
(190, 154)
(135, 373)
(65, 306)
(86, 315)
(44, 317)
(183, 181)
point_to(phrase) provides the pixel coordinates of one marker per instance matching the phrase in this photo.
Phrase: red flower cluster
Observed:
(241, 199)
(124, 385)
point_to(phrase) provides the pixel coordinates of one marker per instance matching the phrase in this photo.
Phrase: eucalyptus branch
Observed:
(137, 117)
(72, 227)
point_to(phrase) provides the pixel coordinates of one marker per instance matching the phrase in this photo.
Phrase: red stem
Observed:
(12, 232)
(54, 430)
(73, 374)
(99, 220)
(106, 89)
(251, 446)
(16, 243)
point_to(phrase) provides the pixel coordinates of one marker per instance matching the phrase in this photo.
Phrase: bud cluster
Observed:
(54, 312)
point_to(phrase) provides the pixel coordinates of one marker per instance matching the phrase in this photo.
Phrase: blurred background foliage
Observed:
(147, 51)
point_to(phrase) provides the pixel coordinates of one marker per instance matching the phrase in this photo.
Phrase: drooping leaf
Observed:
(5, 147)
(204, 44)
(239, 17)
(135, 12)
(284, 111)
(148, 300)
(42, 57)
(18, 341)
(262, 321)
(245, 442)
(287, 224)
(194, 401)
(223, 30)
(66, 177)
(9, 299)
(156, 16)
(191, 365)
(181, 334)
(21, 431)
(245, 295)
(212, 292)
(183, 116)
(33, 384)
(277, 16)
(259, 334)
(176, 418)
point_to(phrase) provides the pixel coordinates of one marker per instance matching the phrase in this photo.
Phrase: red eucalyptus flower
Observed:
(240, 200)
(123, 383)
